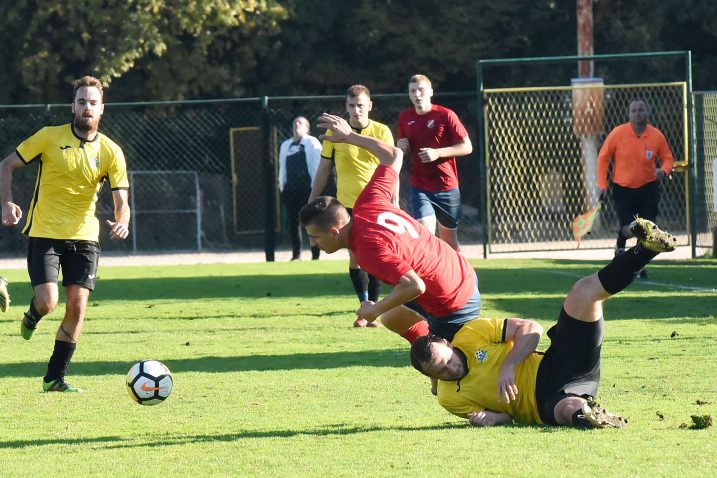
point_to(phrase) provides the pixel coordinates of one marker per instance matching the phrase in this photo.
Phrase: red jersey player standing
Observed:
(434, 136)
(431, 280)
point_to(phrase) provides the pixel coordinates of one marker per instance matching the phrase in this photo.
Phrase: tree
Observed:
(111, 38)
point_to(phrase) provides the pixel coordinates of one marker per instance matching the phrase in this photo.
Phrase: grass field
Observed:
(272, 380)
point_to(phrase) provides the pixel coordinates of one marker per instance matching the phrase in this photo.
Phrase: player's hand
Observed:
(428, 155)
(338, 126)
(483, 419)
(602, 195)
(403, 145)
(118, 230)
(367, 311)
(11, 214)
(507, 389)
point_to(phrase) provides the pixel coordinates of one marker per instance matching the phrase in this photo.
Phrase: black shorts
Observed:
(78, 260)
(643, 201)
(571, 365)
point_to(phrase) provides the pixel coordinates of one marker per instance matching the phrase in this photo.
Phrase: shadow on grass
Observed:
(124, 442)
(249, 363)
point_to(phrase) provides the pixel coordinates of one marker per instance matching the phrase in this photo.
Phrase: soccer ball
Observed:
(149, 382)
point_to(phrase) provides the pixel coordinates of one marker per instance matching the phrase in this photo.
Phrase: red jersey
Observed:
(438, 128)
(387, 243)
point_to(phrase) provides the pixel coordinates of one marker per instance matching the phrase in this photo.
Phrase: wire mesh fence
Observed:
(230, 147)
(203, 174)
(706, 172)
(541, 151)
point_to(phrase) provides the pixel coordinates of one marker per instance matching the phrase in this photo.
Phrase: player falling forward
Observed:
(431, 280)
(492, 374)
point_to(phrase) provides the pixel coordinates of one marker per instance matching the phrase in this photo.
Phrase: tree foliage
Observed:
(179, 49)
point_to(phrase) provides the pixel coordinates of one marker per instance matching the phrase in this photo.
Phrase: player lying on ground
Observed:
(492, 374)
(431, 281)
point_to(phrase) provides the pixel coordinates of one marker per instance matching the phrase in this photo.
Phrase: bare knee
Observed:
(45, 300)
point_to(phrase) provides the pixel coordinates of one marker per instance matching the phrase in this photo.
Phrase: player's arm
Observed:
(387, 154)
(525, 335)
(488, 418)
(11, 212)
(603, 163)
(408, 287)
(461, 148)
(322, 176)
(119, 228)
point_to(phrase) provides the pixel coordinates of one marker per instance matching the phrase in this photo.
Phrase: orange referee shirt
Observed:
(634, 157)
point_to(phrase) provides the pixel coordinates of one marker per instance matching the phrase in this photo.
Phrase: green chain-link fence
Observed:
(203, 173)
(706, 171)
(541, 152)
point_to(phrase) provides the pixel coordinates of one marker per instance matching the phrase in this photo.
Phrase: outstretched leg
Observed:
(584, 304)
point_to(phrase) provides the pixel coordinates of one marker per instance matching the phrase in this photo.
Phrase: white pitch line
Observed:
(667, 285)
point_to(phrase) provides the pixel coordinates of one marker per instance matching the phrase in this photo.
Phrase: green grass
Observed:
(272, 380)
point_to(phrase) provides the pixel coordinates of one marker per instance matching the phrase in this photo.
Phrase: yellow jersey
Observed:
(484, 345)
(354, 165)
(71, 174)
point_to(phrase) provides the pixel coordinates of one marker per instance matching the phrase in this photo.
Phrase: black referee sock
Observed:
(359, 278)
(60, 360)
(623, 268)
(374, 288)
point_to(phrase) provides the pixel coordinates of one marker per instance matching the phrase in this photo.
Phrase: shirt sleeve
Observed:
(667, 161)
(458, 131)
(32, 147)
(117, 171)
(387, 136)
(606, 152)
(282, 164)
(313, 156)
(327, 148)
(400, 132)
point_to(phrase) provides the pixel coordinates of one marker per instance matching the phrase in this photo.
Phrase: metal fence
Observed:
(705, 171)
(541, 153)
(203, 173)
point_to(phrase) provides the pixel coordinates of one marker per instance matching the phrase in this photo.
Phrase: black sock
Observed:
(621, 271)
(579, 421)
(359, 278)
(60, 360)
(374, 288)
(32, 311)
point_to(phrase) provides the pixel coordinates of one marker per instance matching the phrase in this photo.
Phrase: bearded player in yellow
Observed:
(492, 374)
(75, 161)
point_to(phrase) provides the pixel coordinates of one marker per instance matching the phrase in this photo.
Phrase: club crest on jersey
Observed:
(648, 154)
(431, 123)
(95, 162)
(481, 356)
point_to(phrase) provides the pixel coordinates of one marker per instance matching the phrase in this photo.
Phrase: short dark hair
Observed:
(323, 212)
(422, 351)
(87, 80)
(356, 90)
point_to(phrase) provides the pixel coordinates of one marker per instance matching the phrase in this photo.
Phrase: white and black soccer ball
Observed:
(149, 382)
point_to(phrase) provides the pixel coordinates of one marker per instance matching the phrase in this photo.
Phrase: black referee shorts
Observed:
(643, 201)
(571, 365)
(78, 260)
